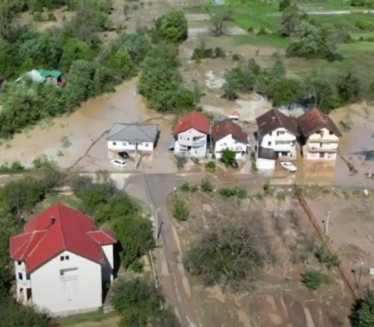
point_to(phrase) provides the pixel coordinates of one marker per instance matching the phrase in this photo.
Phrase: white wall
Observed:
(80, 293)
(194, 139)
(107, 268)
(229, 143)
(321, 146)
(280, 140)
(265, 164)
(21, 280)
(126, 146)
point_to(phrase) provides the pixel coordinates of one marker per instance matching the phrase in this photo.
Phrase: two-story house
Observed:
(62, 262)
(191, 135)
(229, 135)
(319, 136)
(277, 132)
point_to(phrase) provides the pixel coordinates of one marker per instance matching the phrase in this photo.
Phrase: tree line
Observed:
(314, 88)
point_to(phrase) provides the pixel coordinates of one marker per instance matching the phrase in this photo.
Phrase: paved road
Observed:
(154, 189)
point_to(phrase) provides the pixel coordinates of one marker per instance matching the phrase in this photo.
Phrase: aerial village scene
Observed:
(187, 163)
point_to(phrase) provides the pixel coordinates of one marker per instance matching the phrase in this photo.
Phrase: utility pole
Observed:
(327, 222)
(157, 218)
(359, 276)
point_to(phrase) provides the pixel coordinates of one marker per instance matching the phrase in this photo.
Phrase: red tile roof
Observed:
(313, 120)
(235, 113)
(57, 229)
(227, 127)
(194, 120)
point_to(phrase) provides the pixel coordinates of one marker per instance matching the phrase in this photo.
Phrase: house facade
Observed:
(61, 262)
(132, 137)
(229, 135)
(191, 135)
(278, 133)
(319, 136)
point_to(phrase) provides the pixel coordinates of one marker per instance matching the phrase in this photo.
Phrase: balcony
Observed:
(194, 143)
(322, 149)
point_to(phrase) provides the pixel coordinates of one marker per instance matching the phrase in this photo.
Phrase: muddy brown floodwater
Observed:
(66, 138)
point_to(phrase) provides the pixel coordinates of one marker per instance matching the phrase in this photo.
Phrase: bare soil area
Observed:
(277, 298)
(351, 228)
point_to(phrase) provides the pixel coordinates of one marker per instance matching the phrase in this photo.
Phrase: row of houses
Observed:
(278, 137)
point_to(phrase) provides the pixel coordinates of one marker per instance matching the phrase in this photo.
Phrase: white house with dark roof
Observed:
(132, 137)
(62, 261)
(276, 138)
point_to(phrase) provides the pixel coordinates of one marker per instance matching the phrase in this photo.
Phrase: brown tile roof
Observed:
(227, 127)
(273, 119)
(313, 120)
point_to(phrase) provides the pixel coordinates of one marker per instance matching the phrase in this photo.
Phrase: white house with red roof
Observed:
(191, 135)
(61, 261)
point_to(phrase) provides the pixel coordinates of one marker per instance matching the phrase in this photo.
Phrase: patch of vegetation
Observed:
(362, 312)
(139, 304)
(227, 157)
(172, 26)
(210, 167)
(186, 187)
(206, 185)
(326, 257)
(100, 199)
(95, 316)
(237, 191)
(230, 252)
(313, 279)
(180, 210)
(14, 167)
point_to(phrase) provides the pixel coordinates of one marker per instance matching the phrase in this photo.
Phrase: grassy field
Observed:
(256, 16)
(95, 316)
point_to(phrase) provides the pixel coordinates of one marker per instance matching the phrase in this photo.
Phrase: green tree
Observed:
(172, 26)
(363, 311)
(283, 4)
(233, 83)
(137, 45)
(287, 92)
(227, 156)
(73, 50)
(322, 90)
(348, 86)
(121, 62)
(312, 279)
(292, 16)
(206, 185)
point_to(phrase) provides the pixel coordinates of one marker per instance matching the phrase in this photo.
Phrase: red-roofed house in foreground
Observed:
(61, 261)
(319, 136)
(191, 135)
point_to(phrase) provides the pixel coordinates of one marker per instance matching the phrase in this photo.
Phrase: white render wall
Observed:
(265, 164)
(198, 146)
(126, 146)
(60, 297)
(229, 143)
(284, 142)
(107, 268)
(322, 146)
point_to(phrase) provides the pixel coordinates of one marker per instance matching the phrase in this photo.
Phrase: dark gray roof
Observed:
(273, 119)
(133, 132)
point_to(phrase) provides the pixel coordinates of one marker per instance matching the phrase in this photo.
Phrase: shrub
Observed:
(180, 210)
(16, 166)
(324, 256)
(206, 185)
(254, 168)
(362, 311)
(227, 192)
(210, 167)
(172, 27)
(241, 193)
(186, 187)
(312, 279)
(227, 156)
(136, 267)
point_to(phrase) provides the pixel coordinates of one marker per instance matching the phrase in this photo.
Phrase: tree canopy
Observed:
(172, 26)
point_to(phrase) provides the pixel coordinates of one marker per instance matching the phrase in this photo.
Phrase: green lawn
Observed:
(95, 316)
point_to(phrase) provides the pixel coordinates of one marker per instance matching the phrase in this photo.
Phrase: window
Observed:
(66, 257)
(19, 263)
(20, 276)
(28, 276)
(62, 258)
(69, 274)
(269, 143)
(114, 143)
(146, 145)
(280, 133)
(124, 143)
(270, 133)
(331, 132)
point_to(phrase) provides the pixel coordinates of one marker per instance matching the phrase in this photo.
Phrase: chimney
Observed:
(273, 119)
(52, 219)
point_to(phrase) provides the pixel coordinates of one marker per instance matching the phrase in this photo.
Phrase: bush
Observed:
(210, 167)
(180, 210)
(324, 256)
(186, 187)
(206, 185)
(172, 27)
(136, 267)
(312, 279)
(16, 166)
(227, 192)
(137, 302)
(227, 157)
(362, 311)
